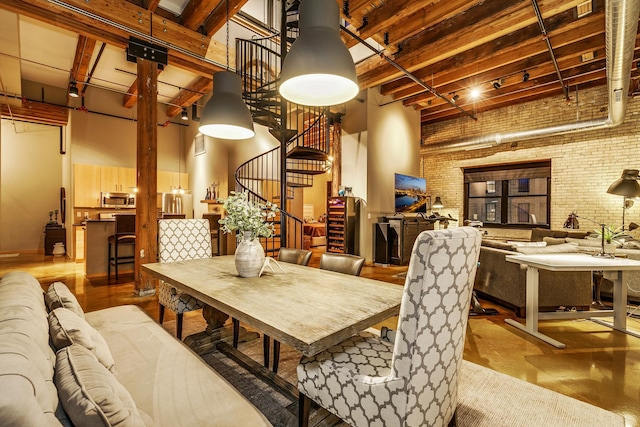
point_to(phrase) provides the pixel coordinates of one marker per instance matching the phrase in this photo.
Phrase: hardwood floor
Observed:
(598, 366)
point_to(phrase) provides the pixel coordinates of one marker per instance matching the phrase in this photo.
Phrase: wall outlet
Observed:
(79, 214)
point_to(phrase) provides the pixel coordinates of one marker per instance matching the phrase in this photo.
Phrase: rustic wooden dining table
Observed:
(306, 308)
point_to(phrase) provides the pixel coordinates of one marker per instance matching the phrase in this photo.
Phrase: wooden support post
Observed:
(147, 165)
(336, 153)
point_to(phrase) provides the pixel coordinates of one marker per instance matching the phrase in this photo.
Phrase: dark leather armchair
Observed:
(294, 256)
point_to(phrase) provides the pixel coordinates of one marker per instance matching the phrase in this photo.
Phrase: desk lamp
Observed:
(626, 186)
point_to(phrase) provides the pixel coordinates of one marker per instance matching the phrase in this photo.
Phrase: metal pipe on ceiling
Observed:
(621, 29)
(545, 35)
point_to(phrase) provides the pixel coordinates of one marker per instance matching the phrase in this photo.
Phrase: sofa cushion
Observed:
(90, 394)
(58, 295)
(553, 240)
(562, 248)
(497, 244)
(67, 328)
(592, 243)
(577, 234)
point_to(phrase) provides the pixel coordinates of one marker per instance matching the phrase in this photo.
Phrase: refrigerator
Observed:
(175, 203)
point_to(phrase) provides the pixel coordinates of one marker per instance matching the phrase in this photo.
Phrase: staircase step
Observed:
(286, 134)
(307, 153)
(306, 171)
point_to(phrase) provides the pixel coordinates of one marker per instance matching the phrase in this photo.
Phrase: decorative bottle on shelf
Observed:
(208, 195)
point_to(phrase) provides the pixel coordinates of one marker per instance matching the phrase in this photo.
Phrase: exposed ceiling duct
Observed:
(621, 30)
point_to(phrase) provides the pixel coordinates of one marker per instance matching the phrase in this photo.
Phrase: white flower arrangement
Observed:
(245, 216)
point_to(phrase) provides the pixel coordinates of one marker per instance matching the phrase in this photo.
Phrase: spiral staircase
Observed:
(304, 134)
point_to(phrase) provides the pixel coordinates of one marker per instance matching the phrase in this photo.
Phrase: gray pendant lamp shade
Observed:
(319, 70)
(226, 115)
(627, 185)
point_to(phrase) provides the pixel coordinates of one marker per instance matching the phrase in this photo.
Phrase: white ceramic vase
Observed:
(58, 249)
(249, 256)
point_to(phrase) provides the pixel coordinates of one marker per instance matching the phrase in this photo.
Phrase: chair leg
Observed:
(179, 325)
(276, 355)
(266, 344)
(109, 263)
(236, 332)
(116, 260)
(304, 407)
(161, 314)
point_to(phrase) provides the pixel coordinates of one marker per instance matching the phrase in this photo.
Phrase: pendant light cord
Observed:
(227, 35)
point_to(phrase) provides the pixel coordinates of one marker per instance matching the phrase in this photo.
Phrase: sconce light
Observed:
(185, 115)
(437, 204)
(319, 70)
(525, 76)
(496, 84)
(73, 90)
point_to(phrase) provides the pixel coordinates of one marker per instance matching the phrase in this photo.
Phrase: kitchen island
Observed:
(96, 262)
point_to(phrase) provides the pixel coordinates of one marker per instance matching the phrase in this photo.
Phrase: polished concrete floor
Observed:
(598, 365)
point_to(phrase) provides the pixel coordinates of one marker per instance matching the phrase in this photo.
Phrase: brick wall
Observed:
(583, 164)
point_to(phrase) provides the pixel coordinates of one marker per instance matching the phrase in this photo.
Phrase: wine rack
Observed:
(342, 225)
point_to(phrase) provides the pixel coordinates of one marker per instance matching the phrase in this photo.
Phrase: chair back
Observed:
(294, 256)
(183, 239)
(125, 225)
(433, 320)
(213, 219)
(173, 216)
(342, 263)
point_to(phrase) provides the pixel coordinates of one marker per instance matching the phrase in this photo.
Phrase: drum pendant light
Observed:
(319, 70)
(225, 115)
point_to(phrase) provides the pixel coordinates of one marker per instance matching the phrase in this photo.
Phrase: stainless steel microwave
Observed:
(117, 200)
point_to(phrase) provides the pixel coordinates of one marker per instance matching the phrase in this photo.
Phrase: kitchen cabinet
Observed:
(117, 179)
(168, 181)
(86, 185)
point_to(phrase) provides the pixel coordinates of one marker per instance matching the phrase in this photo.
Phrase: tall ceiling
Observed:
(509, 51)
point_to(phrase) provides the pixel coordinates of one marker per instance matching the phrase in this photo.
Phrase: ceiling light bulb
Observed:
(319, 70)
(475, 93)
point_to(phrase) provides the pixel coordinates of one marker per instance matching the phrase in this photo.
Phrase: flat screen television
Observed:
(410, 194)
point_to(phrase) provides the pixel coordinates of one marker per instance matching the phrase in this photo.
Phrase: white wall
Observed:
(31, 176)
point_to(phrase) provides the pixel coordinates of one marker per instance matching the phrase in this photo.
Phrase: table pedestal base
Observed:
(216, 331)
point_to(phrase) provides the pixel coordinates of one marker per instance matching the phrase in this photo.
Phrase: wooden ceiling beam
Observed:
(36, 112)
(507, 49)
(218, 17)
(189, 96)
(456, 35)
(197, 11)
(81, 61)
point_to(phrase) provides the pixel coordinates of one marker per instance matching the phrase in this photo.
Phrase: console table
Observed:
(403, 232)
(613, 269)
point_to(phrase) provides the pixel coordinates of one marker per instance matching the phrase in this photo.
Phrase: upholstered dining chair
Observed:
(124, 235)
(180, 240)
(366, 380)
(292, 256)
(342, 263)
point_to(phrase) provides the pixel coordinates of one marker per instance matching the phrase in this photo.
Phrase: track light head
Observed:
(455, 98)
(525, 76)
(73, 90)
(185, 115)
(496, 85)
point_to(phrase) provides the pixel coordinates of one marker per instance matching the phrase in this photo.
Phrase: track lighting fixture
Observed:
(455, 98)
(185, 115)
(496, 84)
(525, 76)
(73, 90)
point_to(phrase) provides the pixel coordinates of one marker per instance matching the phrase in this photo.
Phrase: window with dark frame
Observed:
(511, 195)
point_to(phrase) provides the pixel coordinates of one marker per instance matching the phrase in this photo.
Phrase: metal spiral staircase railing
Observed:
(303, 131)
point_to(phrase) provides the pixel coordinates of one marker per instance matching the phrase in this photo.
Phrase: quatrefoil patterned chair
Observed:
(180, 240)
(368, 381)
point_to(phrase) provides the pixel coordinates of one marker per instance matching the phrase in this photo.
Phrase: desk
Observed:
(612, 268)
(306, 308)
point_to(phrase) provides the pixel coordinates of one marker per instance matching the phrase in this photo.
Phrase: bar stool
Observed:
(125, 235)
(214, 226)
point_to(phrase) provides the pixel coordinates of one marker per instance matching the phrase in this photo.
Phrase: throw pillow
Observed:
(58, 295)
(67, 328)
(516, 244)
(90, 394)
(553, 240)
(553, 249)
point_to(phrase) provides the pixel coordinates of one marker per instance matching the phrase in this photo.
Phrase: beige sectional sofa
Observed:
(115, 366)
